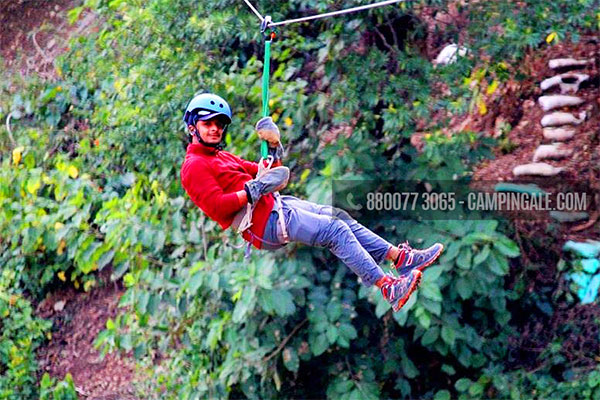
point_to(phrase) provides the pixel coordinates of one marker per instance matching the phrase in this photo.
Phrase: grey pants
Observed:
(325, 226)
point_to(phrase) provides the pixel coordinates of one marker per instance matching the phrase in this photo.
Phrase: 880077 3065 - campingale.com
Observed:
(513, 201)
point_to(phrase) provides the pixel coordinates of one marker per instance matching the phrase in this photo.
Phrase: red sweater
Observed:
(212, 177)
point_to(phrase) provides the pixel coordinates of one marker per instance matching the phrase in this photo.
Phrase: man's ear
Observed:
(191, 128)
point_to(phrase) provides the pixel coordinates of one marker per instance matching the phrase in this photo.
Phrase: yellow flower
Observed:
(33, 185)
(61, 276)
(88, 285)
(17, 155)
(482, 107)
(73, 171)
(288, 121)
(492, 87)
(550, 37)
(61, 247)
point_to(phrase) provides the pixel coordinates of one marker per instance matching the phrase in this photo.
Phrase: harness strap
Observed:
(281, 219)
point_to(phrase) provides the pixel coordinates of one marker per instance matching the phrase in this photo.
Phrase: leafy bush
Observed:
(92, 181)
(20, 334)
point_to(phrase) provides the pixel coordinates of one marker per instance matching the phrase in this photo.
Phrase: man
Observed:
(223, 185)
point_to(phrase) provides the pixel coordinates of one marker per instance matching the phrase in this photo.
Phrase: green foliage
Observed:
(581, 383)
(51, 389)
(20, 334)
(92, 181)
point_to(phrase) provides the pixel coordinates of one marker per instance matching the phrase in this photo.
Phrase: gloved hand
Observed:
(267, 130)
(273, 180)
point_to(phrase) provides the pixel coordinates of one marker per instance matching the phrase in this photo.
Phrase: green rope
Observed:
(264, 151)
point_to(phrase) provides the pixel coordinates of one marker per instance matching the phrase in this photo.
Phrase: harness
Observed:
(243, 219)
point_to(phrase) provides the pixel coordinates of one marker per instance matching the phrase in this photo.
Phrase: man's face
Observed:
(211, 130)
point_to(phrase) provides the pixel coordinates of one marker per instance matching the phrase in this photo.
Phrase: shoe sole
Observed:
(414, 285)
(427, 264)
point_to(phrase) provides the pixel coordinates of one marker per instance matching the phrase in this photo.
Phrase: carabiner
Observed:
(265, 23)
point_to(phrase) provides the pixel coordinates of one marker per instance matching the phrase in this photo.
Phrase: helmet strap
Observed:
(218, 146)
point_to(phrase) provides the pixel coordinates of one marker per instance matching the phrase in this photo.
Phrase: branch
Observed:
(39, 49)
(284, 342)
(10, 136)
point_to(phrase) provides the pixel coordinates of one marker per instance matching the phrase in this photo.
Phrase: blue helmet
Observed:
(206, 106)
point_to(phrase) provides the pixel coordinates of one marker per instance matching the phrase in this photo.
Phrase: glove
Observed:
(267, 130)
(276, 152)
(273, 180)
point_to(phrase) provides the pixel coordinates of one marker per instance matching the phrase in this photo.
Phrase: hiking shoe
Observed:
(397, 290)
(411, 259)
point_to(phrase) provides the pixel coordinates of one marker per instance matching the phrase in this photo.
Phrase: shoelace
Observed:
(405, 250)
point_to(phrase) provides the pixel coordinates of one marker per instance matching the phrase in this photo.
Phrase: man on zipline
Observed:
(222, 185)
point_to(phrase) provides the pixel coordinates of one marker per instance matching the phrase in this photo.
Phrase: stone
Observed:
(551, 151)
(559, 100)
(558, 134)
(569, 63)
(448, 54)
(568, 82)
(539, 169)
(562, 118)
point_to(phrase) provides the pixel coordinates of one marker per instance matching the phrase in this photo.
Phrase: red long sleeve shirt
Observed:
(212, 177)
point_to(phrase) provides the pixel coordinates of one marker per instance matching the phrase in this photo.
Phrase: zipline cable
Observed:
(325, 15)
(335, 13)
(266, 23)
(254, 10)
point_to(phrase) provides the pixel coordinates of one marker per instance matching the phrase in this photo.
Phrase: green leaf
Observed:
(319, 344)
(153, 303)
(448, 335)
(507, 247)
(332, 333)
(464, 258)
(283, 302)
(442, 395)
(462, 384)
(105, 258)
(432, 273)
(126, 342)
(476, 389)
(452, 252)
(142, 301)
(195, 283)
(408, 367)
(290, 359)
(497, 263)
(424, 319)
(343, 386)
(431, 291)
(430, 336)
(434, 307)
(482, 255)
(464, 288)
(476, 237)
(334, 310)
(348, 331)
(245, 304)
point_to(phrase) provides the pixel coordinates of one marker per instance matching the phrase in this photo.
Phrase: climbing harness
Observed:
(266, 24)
